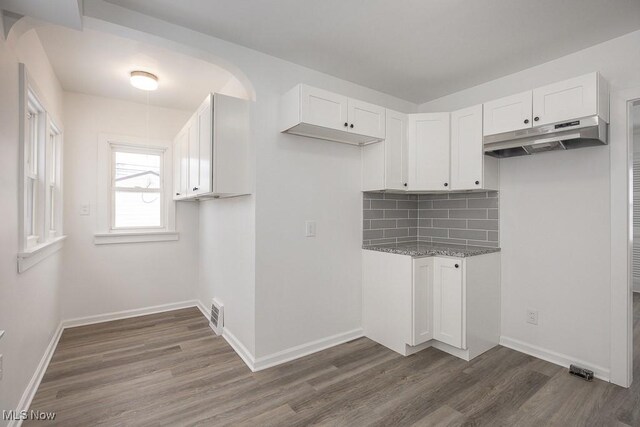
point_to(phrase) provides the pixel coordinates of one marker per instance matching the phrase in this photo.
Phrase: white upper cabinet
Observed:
(323, 108)
(571, 99)
(212, 156)
(467, 157)
(200, 149)
(448, 302)
(317, 113)
(384, 165)
(180, 166)
(366, 119)
(429, 152)
(508, 114)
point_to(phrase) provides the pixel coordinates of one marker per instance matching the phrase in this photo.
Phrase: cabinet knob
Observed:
(446, 184)
(405, 184)
(346, 124)
(477, 182)
(195, 188)
(177, 194)
(536, 119)
(526, 121)
(351, 126)
(457, 266)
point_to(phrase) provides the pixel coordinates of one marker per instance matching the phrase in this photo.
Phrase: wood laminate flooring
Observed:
(169, 369)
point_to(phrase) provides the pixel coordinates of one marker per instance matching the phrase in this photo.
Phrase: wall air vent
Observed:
(216, 320)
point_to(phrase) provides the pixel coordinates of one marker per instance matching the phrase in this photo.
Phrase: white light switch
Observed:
(310, 227)
(85, 209)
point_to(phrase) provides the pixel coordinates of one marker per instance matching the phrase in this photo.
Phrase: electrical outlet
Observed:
(310, 227)
(532, 317)
(85, 209)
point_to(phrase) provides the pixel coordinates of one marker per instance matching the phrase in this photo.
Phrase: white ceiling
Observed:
(98, 63)
(417, 50)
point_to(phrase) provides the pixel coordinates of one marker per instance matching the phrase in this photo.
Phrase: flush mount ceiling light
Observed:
(143, 80)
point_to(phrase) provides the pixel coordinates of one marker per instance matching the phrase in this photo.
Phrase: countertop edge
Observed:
(451, 252)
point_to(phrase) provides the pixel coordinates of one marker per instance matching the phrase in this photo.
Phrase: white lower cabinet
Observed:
(448, 302)
(421, 297)
(452, 304)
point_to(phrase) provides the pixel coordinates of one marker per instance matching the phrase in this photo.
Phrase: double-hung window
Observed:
(137, 188)
(41, 173)
(134, 190)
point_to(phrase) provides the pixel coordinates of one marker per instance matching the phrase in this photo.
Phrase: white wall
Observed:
(555, 218)
(111, 278)
(303, 289)
(29, 312)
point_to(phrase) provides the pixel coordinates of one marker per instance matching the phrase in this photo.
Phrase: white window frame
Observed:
(38, 163)
(107, 233)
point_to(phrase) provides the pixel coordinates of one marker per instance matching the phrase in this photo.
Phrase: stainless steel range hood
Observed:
(585, 132)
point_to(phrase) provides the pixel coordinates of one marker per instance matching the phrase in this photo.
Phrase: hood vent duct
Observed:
(585, 132)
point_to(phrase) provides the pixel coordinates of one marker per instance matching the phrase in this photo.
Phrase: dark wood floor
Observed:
(169, 369)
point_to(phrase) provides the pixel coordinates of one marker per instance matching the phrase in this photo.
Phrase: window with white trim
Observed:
(41, 161)
(137, 187)
(134, 202)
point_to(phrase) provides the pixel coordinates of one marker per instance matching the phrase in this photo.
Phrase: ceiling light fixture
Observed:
(143, 80)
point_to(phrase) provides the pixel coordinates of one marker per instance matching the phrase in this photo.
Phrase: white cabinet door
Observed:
(566, 100)
(205, 122)
(508, 114)
(180, 164)
(194, 156)
(448, 299)
(422, 300)
(323, 108)
(366, 119)
(395, 151)
(429, 148)
(467, 156)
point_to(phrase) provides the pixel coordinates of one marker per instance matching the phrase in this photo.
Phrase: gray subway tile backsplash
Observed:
(456, 218)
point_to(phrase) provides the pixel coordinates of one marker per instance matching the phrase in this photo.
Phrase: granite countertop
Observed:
(423, 249)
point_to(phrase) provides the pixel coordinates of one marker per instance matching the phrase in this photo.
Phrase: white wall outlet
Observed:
(532, 316)
(85, 209)
(310, 228)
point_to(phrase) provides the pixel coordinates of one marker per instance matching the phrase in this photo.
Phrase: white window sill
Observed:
(134, 237)
(34, 255)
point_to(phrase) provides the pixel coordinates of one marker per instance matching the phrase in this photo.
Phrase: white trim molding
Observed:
(302, 350)
(90, 320)
(31, 257)
(553, 357)
(136, 237)
(621, 221)
(34, 383)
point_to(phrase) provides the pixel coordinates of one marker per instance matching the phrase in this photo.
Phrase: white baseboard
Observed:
(240, 349)
(553, 357)
(90, 320)
(264, 362)
(32, 387)
(296, 352)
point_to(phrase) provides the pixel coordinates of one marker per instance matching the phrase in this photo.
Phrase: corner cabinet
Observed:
(211, 152)
(452, 304)
(317, 113)
(430, 153)
(429, 142)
